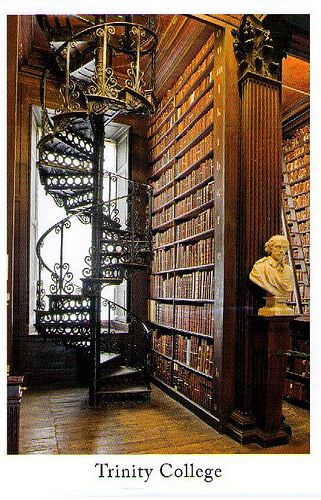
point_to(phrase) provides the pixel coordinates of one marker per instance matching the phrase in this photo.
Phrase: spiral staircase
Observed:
(72, 171)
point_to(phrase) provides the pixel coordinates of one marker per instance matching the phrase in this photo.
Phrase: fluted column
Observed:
(259, 196)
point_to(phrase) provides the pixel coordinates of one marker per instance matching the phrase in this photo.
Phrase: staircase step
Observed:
(125, 393)
(108, 357)
(127, 265)
(122, 371)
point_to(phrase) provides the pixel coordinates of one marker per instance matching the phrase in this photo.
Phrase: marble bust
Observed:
(275, 276)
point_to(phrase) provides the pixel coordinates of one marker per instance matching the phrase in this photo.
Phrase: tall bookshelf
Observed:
(296, 203)
(187, 154)
(296, 198)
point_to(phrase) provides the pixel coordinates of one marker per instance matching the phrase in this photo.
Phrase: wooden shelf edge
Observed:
(202, 413)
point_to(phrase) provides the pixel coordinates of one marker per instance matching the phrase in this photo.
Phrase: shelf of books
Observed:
(184, 145)
(296, 203)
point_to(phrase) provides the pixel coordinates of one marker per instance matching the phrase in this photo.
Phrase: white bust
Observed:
(275, 276)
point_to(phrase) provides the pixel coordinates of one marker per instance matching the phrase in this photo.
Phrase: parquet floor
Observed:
(59, 421)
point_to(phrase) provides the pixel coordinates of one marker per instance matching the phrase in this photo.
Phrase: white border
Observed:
(267, 476)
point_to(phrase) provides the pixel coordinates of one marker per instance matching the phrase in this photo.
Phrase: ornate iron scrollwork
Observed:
(68, 163)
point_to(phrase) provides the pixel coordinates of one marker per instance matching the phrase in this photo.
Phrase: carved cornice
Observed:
(255, 50)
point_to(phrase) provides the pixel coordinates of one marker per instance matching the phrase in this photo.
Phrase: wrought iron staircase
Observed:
(72, 171)
(70, 314)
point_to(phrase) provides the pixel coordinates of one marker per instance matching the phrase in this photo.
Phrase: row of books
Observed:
(204, 171)
(195, 111)
(195, 254)
(164, 197)
(195, 176)
(194, 352)
(162, 286)
(202, 222)
(299, 366)
(194, 318)
(301, 161)
(306, 253)
(304, 237)
(167, 119)
(193, 386)
(167, 104)
(304, 291)
(300, 275)
(203, 123)
(195, 199)
(301, 136)
(163, 144)
(195, 76)
(162, 344)
(194, 226)
(168, 155)
(304, 149)
(303, 213)
(166, 178)
(300, 173)
(301, 200)
(300, 187)
(193, 155)
(304, 226)
(162, 368)
(297, 165)
(206, 50)
(162, 314)
(166, 215)
(168, 132)
(164, 238)
(195, 285)
(163, 260)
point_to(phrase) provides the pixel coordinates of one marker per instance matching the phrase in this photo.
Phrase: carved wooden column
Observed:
(259, 196)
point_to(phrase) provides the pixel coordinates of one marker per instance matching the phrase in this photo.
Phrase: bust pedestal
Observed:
(271, 340)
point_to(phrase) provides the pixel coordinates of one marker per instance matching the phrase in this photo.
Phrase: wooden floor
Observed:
(59, 421)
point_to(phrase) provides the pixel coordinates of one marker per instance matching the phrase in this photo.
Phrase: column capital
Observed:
(256, 52)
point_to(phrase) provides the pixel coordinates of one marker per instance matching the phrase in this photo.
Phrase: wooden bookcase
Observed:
(296, 202)
(187, 153)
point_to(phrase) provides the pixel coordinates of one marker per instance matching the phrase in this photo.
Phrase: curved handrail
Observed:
(130, 314)
(45, 234)
(102, 25)
(57, 225)
(130, 181)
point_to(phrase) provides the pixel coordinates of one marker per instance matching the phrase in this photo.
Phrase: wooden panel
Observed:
(28, 95)
(12, 64)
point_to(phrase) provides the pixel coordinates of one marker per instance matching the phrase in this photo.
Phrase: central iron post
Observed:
(97, 122)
